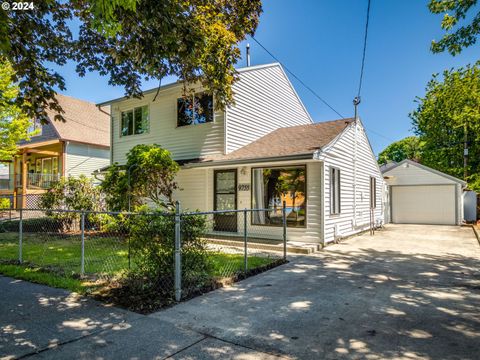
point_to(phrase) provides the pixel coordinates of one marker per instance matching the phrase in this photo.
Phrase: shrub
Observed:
(152, 241)
(4, 204)
(71, 194)
(44, 224)
(152, 176)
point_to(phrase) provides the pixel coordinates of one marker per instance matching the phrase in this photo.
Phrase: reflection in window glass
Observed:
(197, 109)
(135, 121)
(273, 186)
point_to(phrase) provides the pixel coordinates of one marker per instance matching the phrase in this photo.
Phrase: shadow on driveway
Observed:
(354, 300)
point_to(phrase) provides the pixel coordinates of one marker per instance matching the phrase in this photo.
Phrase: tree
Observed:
(292, 182)
(14, 123)
(407, 148)
(149, 173)
(447, 117)
(128, 41)
(462, 36)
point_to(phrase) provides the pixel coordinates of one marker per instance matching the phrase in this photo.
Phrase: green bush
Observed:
(4, 204)
(152, 241)
(44, 224)
(71, 194)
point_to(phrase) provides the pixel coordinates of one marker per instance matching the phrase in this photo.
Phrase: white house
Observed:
(240, 158)
(421, 195)
(77, 146)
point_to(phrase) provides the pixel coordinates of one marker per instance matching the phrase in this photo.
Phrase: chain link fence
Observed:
(189, 252)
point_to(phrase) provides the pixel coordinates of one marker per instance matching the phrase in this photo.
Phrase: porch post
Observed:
(24, 178)
(15, 164)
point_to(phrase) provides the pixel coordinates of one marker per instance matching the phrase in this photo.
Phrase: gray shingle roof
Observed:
(287, 141)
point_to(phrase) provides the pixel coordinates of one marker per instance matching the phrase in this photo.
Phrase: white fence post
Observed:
(20, 238)
(82, 229)
(178, 254)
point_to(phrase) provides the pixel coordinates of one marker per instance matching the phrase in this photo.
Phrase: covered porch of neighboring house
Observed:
(32, 171)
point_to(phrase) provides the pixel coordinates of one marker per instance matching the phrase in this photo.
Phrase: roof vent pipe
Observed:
(248, 55)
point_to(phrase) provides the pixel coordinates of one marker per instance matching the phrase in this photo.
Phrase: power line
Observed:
(312, 91)
(364, 50)
(298, 79)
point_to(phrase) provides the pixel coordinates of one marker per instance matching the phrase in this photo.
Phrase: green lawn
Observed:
(56, 257)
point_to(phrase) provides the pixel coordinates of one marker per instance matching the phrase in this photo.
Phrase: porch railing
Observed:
(39, 181)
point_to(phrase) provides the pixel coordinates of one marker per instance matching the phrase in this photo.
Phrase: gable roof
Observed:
(387, 166)
(426, 168)
(84, 123)
(286, 143)
(179, 83)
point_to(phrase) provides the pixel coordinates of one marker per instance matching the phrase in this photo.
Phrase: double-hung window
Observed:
(135, 121)
(194, 109)
(334, 191)
(373, 192)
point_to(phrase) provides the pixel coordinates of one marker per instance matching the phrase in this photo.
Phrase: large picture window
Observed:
(195, 109)
(135, 121)
(334, 191)
(273, 186)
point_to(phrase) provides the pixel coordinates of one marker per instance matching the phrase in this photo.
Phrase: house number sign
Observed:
(243, 187)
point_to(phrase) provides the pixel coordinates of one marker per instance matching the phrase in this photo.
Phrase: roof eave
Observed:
(304, 156)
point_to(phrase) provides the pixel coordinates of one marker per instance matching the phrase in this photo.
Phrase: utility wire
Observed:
(364, 50)
(313, 92)
(297, 78)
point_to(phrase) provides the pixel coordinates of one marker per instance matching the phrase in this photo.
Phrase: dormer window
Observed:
(195, 109)
(135, 121)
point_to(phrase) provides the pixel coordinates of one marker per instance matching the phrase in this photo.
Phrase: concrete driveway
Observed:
(411, 291)
(408, 292)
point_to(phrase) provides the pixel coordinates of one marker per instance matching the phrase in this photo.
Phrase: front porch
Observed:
(33, 170)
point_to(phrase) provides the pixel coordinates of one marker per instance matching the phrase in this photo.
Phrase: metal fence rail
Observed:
(99, 246)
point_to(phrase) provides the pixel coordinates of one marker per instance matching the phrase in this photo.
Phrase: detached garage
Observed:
(421, 195)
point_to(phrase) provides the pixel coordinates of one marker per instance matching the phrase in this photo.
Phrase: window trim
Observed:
(205, 123)
(132, 108)
(373, 199)
(332, 189)
(305, 195)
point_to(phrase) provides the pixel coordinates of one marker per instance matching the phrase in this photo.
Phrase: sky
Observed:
(321, 42)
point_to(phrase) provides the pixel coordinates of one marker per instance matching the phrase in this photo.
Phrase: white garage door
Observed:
(431, 204)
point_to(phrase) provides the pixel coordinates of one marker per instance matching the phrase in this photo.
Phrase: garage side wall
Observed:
(354, 216)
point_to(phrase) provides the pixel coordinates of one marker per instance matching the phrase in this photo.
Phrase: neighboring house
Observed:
(418, 194)
(79, 145)
(259, 152)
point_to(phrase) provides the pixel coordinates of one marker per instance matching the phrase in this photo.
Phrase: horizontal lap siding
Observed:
(193, 188)
(196, 192)
(264, 101)
(185, 142)
(413, 175)
(341, 156)
(82, 159)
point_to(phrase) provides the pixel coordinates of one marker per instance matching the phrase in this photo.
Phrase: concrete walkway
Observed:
(408, 292)
(44, 323)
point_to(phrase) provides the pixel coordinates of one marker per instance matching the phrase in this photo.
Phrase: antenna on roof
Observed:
(248, 55)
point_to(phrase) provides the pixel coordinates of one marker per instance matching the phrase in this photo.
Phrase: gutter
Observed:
(305, 156)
